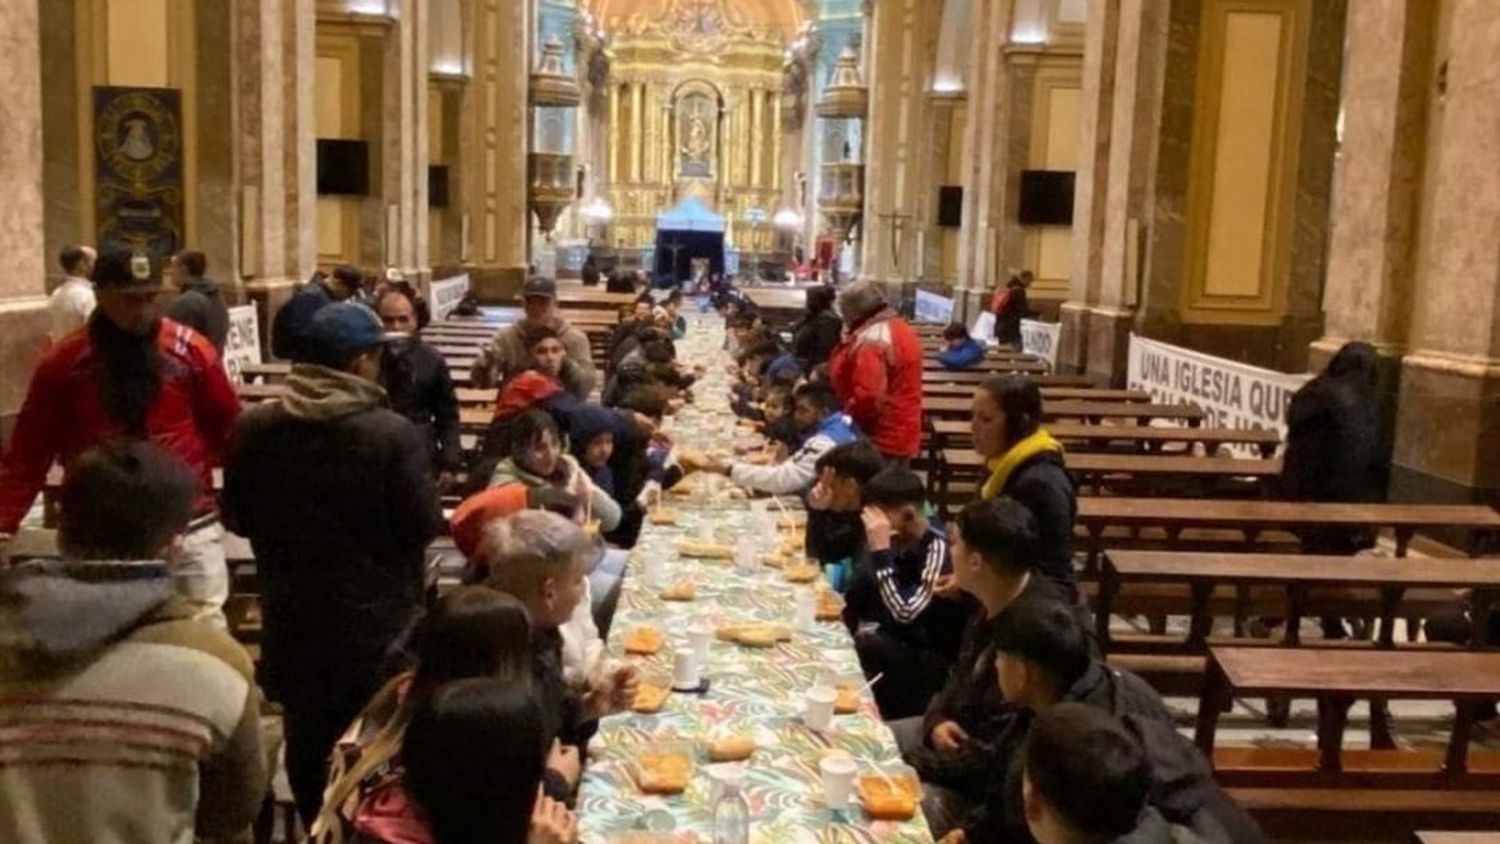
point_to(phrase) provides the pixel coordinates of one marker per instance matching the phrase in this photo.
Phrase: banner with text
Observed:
(931, 307)
(446, 295)
(242, 344)
(1040, 339)
(1231, 394)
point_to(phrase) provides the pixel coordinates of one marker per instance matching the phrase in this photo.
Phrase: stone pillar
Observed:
(23, 322)
(1091, 185)
(276, 153)
(979, 235)
(903, 45)
(495, 145)
(1448, 420)
(404, 143)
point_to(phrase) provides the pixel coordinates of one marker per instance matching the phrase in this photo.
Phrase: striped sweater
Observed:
(121, 719)
(894, 590)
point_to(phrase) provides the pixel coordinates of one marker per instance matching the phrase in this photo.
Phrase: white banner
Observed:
(931, 307)
(1040, 339)
(242, 344)
(983, 328)
(446, 295)
(1231, 394)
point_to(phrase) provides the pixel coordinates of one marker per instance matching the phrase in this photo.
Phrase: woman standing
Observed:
(819, 331)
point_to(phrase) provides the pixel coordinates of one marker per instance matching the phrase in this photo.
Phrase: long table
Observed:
(753, 692)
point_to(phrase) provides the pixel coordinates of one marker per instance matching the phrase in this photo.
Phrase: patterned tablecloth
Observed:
(752, 692)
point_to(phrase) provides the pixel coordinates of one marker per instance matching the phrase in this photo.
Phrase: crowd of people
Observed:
(467, 718)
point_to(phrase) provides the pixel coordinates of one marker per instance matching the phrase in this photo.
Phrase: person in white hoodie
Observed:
(823, 427)
(69, 306)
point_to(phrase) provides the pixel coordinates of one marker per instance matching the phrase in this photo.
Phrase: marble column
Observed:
(23, 323)
(987, 87)
(495, 145)
(403, 144)
(1091, 185)
(904, 43)
(276, 153)
(1448, 419)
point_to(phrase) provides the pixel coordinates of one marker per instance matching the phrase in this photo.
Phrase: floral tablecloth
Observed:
(752, 692)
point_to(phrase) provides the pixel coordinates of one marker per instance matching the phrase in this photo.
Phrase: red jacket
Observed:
(63, 415)
(877, 373)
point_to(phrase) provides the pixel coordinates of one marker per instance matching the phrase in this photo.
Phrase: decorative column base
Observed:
(1447, 425)
(1095, 341)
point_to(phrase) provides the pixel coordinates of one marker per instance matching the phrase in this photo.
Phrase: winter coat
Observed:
(201, 307)
(797, 473)
(155, 715)
(600, 505)
(894, 590)
(506, 356)
(968, 353)
(1042, 484)
(333, 491)
(289, 326)
(1334, 446)
(64, 414)
(877, 373)
(815, 337)
(420, 388)
(1012, 308)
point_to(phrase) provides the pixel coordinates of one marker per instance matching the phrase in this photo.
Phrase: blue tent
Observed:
(689, 230)
(690, 215)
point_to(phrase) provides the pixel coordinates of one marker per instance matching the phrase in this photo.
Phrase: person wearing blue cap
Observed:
(334, 491)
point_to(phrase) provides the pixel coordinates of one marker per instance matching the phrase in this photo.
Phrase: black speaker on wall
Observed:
(343, 167)
(950, 206)
(1046, 198)
(437, 186)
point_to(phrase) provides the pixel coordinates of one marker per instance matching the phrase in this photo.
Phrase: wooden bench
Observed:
(1048, 393)
(1425, 837)
(1251, 519)
(1274, 791)
(1094, 412)
(974, 378)
(1144, 438)
(993, 366)
(1091, 469)
(589, 299)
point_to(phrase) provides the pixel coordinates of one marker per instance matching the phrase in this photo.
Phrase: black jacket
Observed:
(1044, 487)
(971, 697)
(339, 514)
(834, 535)
(1008, 317)
(292, 321)
(200, 307)
(421, 389)
(894, 590)
(1183, 790)
(815, 337)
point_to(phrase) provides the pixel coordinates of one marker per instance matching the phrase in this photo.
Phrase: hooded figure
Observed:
(1334, 447)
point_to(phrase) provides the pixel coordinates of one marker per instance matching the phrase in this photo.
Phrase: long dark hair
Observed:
(132, 372)
(475, 752)
(1020, 400)
(527, 430)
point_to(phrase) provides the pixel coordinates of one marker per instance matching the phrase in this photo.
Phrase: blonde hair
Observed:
(525, 550)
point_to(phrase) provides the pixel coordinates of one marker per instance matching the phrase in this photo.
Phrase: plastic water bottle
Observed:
(731, 811)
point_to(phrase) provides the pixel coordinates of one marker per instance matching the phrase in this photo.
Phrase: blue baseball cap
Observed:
(339, 332)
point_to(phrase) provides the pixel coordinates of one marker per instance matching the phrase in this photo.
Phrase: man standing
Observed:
(417, 380)
(333, 491)
(71, 303)
(507, 355)
(292, 321)
(1010, 306)
(131, 375)
(126, 720)
(199, 306)
(877, 372)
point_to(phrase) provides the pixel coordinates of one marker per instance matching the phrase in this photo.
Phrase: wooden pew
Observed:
(1049, 392)
(1091, 469)
(1139, 413)
(1358, 795)
(974, 378)
(1144, 438)
(1252, 519)
(586, 298)
(1425, 837)
(993, 366)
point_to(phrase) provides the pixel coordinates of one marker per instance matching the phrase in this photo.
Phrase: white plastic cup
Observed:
(746, 554)
(838, 780)
(817, 707)
(686, 673)
(706, 532)
(700, 636)
(656, 572)
(806, 615)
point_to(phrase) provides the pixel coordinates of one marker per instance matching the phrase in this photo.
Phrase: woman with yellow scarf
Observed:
(1026, 464)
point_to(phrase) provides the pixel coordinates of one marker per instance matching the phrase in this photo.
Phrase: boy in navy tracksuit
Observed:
(904, 627)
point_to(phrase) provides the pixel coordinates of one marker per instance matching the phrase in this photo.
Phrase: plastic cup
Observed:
(706, 532)
(656, 572)
(700, 636)
(838, 780)
(817, 707)
(806, 615)
(746, 554)
(686, 673)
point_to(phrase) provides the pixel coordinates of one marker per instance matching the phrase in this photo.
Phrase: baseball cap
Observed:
(339, 332)
(540, 286)
(126, 269)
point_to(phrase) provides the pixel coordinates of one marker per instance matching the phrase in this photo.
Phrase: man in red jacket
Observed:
(877, 372)
(130, 375)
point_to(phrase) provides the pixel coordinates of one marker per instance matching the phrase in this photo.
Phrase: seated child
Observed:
(903, 629)
(835, 534)
(961, 351)
(591, 438)
(824, 427)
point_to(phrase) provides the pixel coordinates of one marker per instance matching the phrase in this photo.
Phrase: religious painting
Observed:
(697, 135)
(138, 169)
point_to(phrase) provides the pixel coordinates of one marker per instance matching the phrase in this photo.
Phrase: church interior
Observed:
(1240, 188)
